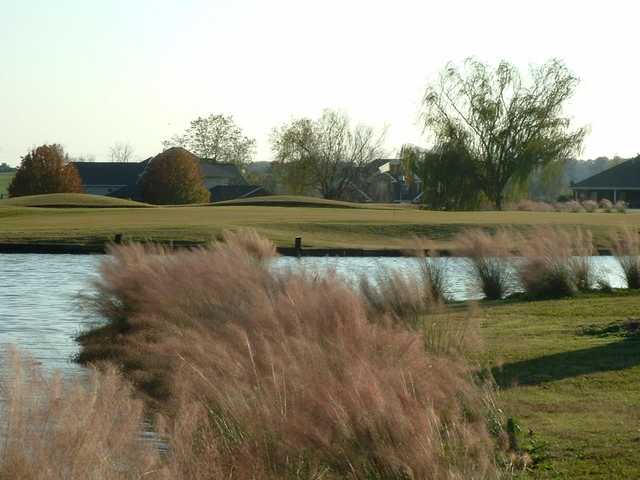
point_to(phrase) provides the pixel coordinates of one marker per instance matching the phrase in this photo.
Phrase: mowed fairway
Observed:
(364, 226)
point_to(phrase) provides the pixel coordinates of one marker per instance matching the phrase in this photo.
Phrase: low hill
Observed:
(70, 200)
(302, 201)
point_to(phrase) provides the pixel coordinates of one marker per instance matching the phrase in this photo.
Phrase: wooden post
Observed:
(118, 239)
(298, 245)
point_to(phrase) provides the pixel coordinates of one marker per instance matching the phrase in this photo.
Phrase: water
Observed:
(39, 309)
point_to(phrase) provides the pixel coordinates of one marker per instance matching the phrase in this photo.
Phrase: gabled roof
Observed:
(624, 175)
(110, 173)
(222, 170)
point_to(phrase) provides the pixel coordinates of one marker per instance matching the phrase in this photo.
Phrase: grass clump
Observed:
(590, 206)
(606, 205)
(490, 261)
(625, 245)
(401, 295)
(556, 263)
(52, 429)
(284, 375)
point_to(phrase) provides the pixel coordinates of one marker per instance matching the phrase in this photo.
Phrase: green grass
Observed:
(70, 200)
(575, 395)
(299, 201)
(5, 180)
(367, 226)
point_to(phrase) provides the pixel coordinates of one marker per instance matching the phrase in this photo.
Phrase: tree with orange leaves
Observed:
(174, 178)
(45, 169)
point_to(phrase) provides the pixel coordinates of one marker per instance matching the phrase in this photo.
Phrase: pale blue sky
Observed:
(89, 73)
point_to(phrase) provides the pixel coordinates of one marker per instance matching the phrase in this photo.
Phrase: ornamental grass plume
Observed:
(264, 374)
(54, 429)
(490, 261)
(556, 262)
(625, 245)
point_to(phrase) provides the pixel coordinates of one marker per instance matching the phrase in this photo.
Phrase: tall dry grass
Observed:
(590, 206)
(266, 375)
(625, 245)
(556, 262)
(51, 429)
(404, 296)
(490, 261)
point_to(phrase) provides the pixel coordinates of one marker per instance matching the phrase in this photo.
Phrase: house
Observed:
(122, 180)
(384, 180)
(621, 182)
(112, 179)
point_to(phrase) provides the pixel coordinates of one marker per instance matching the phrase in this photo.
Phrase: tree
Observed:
(45, 169)
(216, 139)
(325, 154)
(121, 152)
(508, 128)
(446, 172)
(174, 178)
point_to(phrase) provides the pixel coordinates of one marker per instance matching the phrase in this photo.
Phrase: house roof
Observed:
(127, 175)
(222, 170)
(110, 173)
(624, 175)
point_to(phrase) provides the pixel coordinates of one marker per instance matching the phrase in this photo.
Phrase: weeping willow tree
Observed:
(447, 175)
(506, 126)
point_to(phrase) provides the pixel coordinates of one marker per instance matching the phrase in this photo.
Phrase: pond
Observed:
(40, 313)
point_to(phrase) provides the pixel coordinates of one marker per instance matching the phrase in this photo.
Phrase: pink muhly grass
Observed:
(625, 245)
(490, 261)
(556, 262)
(56, 429)
(267, 375)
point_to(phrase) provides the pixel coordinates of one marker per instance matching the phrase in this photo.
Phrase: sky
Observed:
(89, 74)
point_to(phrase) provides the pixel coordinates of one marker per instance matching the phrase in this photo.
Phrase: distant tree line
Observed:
(495, 135)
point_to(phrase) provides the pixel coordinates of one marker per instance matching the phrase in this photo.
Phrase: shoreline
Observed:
(101, 249)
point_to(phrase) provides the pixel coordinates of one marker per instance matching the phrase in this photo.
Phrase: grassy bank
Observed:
(70, 200)
(572, 380)
(360, 226)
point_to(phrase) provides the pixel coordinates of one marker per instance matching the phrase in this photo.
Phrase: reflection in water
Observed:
(39, 311)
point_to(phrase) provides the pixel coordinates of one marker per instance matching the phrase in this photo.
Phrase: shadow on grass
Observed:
(603, 358)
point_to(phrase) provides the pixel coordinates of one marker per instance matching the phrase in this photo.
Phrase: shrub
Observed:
(620, 207)
(45, 170)
(606, 205)
(174, 178)
(556, 263)
(283, 375)
(590, 206)
(489, 259)
(54, 429)
(625, 245)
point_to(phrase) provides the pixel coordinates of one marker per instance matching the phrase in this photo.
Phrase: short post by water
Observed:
(298, 244)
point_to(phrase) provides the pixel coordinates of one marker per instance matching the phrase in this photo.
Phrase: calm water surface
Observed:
(39, 310)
